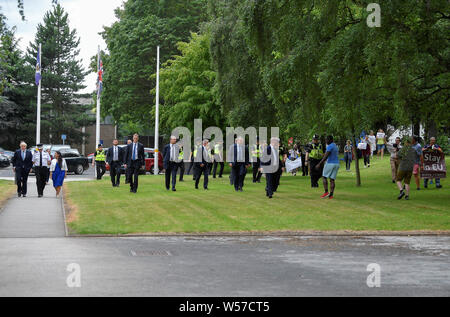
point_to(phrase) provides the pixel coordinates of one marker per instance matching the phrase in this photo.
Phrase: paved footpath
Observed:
(36, 259)
(33, 217)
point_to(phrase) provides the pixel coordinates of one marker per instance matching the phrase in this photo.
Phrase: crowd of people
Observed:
(317, 161)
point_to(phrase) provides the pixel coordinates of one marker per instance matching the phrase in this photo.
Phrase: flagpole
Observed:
(97, 130)
(38, 115)
(97, 125)
(156, 166)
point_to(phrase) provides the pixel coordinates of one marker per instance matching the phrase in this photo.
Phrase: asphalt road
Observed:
(264, 266)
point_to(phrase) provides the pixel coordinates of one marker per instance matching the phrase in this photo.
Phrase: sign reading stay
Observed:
(433, 165)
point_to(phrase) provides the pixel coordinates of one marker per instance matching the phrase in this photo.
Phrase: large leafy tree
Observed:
(239, 83)
(132, 42)
(62, 77)
(187, 87)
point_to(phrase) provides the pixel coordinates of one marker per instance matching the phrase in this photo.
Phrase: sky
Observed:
(86, 16)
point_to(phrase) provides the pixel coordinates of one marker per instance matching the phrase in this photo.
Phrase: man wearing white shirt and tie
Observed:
(114, 158)
(134, 160)
(41, 163)
(170, 160)
(22, 163)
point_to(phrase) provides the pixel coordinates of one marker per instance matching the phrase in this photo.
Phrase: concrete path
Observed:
(33, 217)
(262, 266)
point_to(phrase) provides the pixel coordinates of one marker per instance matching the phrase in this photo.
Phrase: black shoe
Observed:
(418, 188)
(241, 190)
(196, 187)
(131, 190)
(437, 186)
(393, 182)
(19, 195)
(270, 197)
(40, 196)
(24, 196)
(167, 188)
(402, 193)
(118, 185)
(406, 197)
(174, 190)
(206, 188)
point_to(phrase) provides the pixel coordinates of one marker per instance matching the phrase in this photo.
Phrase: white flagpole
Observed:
(38, 116)
(97, 130)
(156, 166)
(97, 125)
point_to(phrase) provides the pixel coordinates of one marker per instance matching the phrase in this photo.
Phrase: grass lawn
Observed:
(97, 208)
(6, 190)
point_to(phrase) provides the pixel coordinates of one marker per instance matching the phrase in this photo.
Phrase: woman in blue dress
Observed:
(58, 172)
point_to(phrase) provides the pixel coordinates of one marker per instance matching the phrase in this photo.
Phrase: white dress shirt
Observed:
(46, 159)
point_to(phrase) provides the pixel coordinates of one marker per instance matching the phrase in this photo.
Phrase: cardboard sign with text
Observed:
(433, 165)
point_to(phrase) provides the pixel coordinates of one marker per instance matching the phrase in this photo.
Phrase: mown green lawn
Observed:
(97, 208)
(6, 190)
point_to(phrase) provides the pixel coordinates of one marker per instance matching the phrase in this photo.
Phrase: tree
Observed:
(132, 42)
(62, 78)
(187, 87)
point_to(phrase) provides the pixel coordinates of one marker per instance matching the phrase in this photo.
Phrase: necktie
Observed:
(40, 158)
(134, 152)
(23, 156)
(115, 154)
(172, 153)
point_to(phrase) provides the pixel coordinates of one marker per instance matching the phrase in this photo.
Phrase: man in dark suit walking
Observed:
(270, 164)
(115, 158)
(239, 162)
(134, 160)
(170, 160)
(22, 162)
(201, 165)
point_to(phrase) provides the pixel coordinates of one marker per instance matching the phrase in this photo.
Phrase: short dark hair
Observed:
(330, 138)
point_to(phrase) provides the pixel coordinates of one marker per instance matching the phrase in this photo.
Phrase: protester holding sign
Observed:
(433, 163)
(381, 142)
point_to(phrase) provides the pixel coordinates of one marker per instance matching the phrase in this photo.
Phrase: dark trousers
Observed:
(269, 184)
(276, 179)
(22, 179)
(171, 171)
(305, 169)
(181, 167)
(222, 166)
(41, 179)
(366, 159)
(114, 171)
(198, 170)
(348, 160)
(127, 175)
(191, 165)
(101, 169)
(134, 169)
(238, 175)
(256, 173)
(315, 174)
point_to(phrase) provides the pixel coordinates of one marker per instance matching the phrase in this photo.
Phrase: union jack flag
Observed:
(100, 77)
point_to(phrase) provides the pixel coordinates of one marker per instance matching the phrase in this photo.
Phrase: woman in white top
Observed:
(58, 172)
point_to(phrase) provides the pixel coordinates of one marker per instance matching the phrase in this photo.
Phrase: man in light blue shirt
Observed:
(331, 167)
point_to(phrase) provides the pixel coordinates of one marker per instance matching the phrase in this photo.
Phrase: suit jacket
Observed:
(166, 155)
(18, 163)
(233, 155)
(202, 156)
(110, 155)
(129, 154)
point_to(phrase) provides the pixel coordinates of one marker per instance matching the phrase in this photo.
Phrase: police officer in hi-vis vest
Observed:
(100, 161)
(181, 163)
(218, 159)
(314, 155)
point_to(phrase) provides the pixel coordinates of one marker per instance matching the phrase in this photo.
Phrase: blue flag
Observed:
(38, 69)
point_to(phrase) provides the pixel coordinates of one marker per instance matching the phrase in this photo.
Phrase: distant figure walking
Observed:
(58, 172)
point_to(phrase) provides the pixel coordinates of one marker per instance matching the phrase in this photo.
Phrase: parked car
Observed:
(8, 154)
(4, 161)
(58, 147)
(76, 163)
